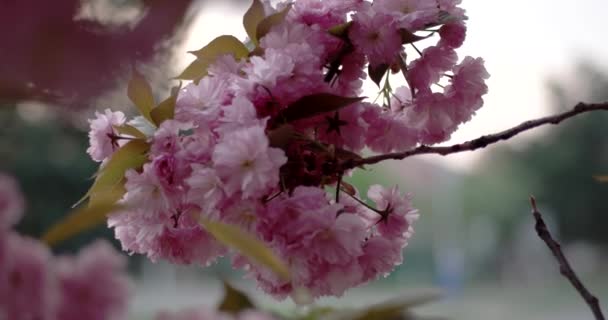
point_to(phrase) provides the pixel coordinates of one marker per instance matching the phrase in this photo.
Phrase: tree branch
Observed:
(564, 266)
(482, 141)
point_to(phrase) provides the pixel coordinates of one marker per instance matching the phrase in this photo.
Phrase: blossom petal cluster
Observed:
(259, 140)
(36, 285)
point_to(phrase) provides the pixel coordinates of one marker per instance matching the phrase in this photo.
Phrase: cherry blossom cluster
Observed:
(262, 141)
(36, 285)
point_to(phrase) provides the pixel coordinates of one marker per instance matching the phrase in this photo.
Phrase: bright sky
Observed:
(523, 42)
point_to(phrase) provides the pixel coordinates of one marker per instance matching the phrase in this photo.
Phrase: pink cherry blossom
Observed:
(388, 131)
(375, 34)
(453, 34)
(27, 285)
(429, 68)
(102, 137)
(380, 256)
(242, 151)
(397, 209)
(245, 162)
(205, 187)
(93, 285)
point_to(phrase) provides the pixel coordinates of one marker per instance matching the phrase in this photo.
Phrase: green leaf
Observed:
(109, 182)
(272, 20)
(314, 105)
(208, 54)
(252, 18)
(234, 300)
(166, 109)
(195, 71)
(130, 131)
(247, 244)
(140, 93)
(220, 46)
(341, 30)
(391, 309)
(79, 220)
(376, 73)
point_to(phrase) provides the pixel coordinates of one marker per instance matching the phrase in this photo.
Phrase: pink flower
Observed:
(102, 138)
(94, 284)
(410, 14)
(200, 103)
(145, 191)
(467, 87)
(170, 172)
(240, 114)
(399, 213)
(245, 162)
(205, 187)
(432, 116)
(210, 92)
(429, 68)
(380, 256)
(325, 13)
(376, 35)
(26, 280)
(188, 245)
(167, 138)
(12, 203)
(388, 131)
(138, 232)
(274, 66)
(453, 34)
(321, 245)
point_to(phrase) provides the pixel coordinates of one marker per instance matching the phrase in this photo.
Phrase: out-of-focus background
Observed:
(61, 60)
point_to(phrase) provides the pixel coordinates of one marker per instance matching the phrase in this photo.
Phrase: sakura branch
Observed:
(482, 141)
(564, 266)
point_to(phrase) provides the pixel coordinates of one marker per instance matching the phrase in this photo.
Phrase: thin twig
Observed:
(564, 266)
(482, 141)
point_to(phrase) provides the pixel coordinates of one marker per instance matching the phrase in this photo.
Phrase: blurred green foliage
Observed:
(557, 167)
(49, 159)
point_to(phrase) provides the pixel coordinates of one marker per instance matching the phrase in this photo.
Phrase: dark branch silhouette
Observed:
(482, 141)
(564, 266)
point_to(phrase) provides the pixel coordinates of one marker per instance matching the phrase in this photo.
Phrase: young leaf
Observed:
(195, 71)
(247, 245)
(220, 46)
(108, 182)
(281, 136)
(252, 18)
(234, 300)
(341, 30)
(130, 131)
(391, 309)
(376, 73)
(348, 188)
(207, 55)
(79, 220)
(272, 20)
(140, 93)
(166, 109)
(315, 104)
